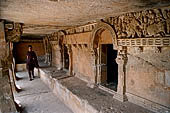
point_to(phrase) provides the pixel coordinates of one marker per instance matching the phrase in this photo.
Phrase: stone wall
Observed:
(21, 48)
(81, 38)
(148, 74)
(82, 58)
(82, 66)
(7, 104)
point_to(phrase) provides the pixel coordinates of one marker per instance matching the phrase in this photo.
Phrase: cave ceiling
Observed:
(42, 17)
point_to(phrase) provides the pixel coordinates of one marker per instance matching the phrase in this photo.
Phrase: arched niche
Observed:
(96, 33)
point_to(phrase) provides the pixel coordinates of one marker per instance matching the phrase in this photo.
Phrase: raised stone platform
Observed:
(82, 99)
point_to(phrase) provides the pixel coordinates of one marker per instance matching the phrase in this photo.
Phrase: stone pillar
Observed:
(121, 61)
(94, 65)
(70, 53)
(60, 52)
(7, 104)
(48, 51)
(45, 48)
(57, 50)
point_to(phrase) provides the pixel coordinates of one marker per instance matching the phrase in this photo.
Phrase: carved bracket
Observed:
(157, 49)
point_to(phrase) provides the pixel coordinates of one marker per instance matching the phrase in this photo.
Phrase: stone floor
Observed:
(101, 100)
(36, 97)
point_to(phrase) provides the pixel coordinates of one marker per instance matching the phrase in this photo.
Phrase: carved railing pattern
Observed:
(165, 41)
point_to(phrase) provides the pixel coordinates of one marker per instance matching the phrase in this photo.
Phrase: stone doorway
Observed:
(109, 67)
(66, 58)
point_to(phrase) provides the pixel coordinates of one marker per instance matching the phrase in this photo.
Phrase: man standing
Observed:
(31, 62)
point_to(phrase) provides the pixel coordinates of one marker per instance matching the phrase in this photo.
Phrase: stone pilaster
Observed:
(58, 51)
(121, 61)
(70, 59)
(94, 65)
(48, 50)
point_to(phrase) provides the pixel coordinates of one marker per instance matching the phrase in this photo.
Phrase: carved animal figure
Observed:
(156, 29)
(130, 32)
(133, 29)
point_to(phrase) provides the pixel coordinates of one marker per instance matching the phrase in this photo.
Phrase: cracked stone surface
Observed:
(36, 97)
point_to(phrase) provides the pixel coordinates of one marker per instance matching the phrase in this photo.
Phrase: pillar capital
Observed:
(122, 56)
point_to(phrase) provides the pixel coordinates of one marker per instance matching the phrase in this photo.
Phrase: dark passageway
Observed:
(66, 58)
(111, 66)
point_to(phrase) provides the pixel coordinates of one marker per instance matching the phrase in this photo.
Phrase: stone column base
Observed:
(120, 97)
(115, 94)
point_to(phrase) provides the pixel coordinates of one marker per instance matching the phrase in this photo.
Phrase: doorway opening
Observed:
(109, 67)
(66, 58)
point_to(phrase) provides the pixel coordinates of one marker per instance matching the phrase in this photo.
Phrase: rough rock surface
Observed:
(67, 13)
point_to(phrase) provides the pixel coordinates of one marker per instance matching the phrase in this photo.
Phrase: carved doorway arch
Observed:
(94, 47)
(100, 27)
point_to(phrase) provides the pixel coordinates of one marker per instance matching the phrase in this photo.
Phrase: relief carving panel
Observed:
(148, 23)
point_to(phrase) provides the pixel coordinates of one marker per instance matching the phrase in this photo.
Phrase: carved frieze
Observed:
(81, 29)
(145, 24)
(148, 23)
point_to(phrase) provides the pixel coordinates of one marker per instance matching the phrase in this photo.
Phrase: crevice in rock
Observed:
(139, 58)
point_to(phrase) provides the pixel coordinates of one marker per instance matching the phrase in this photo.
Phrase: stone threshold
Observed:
(80, 98)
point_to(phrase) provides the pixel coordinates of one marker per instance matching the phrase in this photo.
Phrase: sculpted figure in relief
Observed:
(148, 23)
(166, 14)
(156, 29)
(134, 27)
